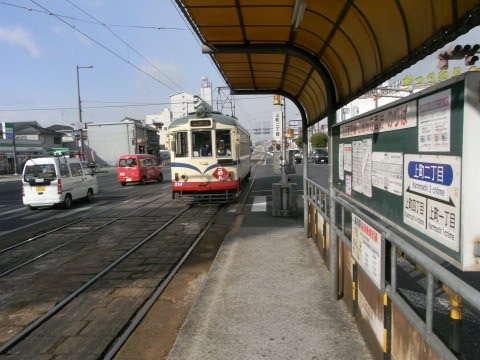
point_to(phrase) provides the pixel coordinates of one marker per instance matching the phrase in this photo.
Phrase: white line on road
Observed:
(259, 204)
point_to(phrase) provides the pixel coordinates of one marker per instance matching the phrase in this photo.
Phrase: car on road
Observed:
(57, 179)
(298, 157)
(294, 156)
(319, 155)
(138, 168)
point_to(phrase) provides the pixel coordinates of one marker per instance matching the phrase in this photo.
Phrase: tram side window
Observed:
(181, 144)
(202, 143)
(224, 143)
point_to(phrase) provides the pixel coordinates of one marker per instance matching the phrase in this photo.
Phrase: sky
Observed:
(142, 52)
(141, 55)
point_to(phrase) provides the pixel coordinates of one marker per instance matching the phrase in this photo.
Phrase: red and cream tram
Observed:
(210, 156)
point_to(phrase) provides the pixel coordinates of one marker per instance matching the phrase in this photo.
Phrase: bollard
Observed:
(456, 316)
(284, 199)
(387, 327)
(354, 288)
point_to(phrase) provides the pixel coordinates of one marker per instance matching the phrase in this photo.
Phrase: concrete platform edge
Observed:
(266, 296)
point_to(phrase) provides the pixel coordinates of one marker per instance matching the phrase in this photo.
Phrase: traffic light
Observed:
(457, 52)
(470, 57)
(276, 100)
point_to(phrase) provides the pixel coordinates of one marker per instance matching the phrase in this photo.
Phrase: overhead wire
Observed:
(153, 27)
(119, 104)
(123, 41)
(62, 18)
(105, 47)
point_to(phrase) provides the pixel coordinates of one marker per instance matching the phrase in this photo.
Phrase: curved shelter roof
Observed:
(322, 54)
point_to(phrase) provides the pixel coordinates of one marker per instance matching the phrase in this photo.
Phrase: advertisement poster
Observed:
(367, 249)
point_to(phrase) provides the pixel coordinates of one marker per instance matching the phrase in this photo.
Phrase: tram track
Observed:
(6, 269)
(112, 300)
(105, 205)
(133, 272)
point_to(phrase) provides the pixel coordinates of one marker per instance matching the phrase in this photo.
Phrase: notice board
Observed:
(414, 163)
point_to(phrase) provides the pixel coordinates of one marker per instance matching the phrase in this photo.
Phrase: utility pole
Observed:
(82, 154)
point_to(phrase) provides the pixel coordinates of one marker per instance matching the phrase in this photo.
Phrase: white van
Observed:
(53, 180)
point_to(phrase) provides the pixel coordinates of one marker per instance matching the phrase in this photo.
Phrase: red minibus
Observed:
(138, 168)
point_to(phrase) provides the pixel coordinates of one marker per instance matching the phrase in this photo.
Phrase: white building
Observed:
(206, 92)
(107, 141)
(161, 122)
(183, 103)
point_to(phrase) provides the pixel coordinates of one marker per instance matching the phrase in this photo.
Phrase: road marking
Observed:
(232, 208)
(259, 204)
(3, 213)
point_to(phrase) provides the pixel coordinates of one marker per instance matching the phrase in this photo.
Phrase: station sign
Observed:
(7, 131)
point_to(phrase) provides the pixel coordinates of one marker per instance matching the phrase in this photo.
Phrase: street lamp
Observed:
(80, 109)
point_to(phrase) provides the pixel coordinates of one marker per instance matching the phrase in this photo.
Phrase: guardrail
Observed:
(324, 205)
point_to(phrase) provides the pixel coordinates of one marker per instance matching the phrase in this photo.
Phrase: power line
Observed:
(86, 107)
(127, 44)
(105, 47)
(91, 22)
(118, 104)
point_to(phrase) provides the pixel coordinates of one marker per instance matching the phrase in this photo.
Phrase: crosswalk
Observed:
(259, 205)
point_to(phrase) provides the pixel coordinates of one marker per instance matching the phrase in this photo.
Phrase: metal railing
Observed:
(461, 293)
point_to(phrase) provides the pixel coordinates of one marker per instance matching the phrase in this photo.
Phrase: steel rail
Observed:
(137, 319)
(61, 304)
(51, 250)
(36, 237)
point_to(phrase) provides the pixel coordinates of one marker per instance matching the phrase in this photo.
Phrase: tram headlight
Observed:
(231, 175)
(179, 178)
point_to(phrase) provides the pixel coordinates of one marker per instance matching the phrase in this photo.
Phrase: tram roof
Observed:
(218, 117)
(322, 54)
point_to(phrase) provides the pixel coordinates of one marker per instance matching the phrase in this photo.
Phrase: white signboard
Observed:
(387, 171)
(396, 118)
(362, 166)
(431, 196)
(367, 249)
(434, 122)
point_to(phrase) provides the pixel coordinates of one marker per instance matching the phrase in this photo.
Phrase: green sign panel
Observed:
(413, 162)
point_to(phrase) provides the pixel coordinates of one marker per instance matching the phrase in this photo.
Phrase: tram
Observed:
(210, 156)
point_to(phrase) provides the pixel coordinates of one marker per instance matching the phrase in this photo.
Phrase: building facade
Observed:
(161, 122)
(130, 136)
(22, 140)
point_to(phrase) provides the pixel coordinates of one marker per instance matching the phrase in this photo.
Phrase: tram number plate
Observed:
(40, 188)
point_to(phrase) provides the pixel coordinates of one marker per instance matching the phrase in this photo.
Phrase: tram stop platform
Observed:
(266, 297)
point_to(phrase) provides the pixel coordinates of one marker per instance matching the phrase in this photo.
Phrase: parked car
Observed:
(294, 156)
(298, 157)
(320, 155)
(57, 179)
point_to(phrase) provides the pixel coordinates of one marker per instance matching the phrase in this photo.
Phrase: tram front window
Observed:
(224, 146)
(202, 143)
(181, 142)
